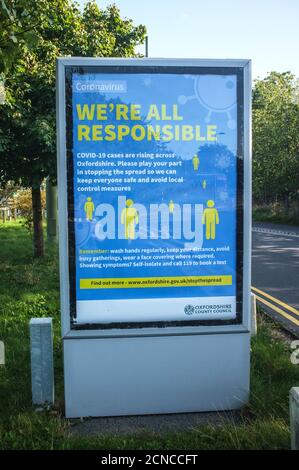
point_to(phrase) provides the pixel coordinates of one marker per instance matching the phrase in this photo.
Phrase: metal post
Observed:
(253, 329)
(146, 46)
(294, 417)
(2, 353)
(51, 205)
(42, 374)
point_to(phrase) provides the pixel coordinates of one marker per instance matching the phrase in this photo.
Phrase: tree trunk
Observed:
(38, 237)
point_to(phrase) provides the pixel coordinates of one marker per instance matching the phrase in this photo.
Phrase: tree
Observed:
(17, 31)
(276, 138)
(27, 123)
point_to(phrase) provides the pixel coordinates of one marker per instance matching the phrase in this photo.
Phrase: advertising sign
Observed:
(155, 195)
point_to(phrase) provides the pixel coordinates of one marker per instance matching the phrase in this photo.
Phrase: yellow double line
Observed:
(287, 307)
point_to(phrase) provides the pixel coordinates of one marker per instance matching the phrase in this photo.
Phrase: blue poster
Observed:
(155, 196)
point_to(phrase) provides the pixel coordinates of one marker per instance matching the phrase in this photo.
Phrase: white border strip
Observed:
(149, 310)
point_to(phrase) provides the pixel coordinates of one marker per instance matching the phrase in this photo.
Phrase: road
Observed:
(275, 271)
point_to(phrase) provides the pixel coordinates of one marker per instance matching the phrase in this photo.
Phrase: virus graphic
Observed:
(223, 195)
(222, 101)
(223, 161)
(83, 230)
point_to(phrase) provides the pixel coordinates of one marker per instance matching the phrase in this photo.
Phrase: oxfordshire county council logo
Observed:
(189, 309)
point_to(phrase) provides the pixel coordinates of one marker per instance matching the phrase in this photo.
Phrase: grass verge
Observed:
(275, 214)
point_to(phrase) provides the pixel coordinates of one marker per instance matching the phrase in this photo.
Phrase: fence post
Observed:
(294, 417)
(2, 353)
(42, 373)
(253, 328)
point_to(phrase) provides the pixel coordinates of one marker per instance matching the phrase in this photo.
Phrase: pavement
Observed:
(275, 271)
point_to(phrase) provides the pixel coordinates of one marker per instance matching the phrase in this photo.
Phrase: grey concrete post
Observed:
(51, 206)
(2, 353)
(294, 417)
(42, 374)
(253, 328)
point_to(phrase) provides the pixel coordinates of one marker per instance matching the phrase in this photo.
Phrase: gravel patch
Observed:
(125, 425)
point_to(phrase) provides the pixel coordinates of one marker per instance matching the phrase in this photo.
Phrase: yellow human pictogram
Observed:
(171, 206)
(129, 218)
(89, 208)
(210, 218)
(204, 184)
(195, 161)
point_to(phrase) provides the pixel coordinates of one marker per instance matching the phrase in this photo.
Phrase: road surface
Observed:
(275, 271)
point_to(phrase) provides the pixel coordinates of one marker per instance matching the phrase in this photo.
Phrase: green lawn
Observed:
(30, 288)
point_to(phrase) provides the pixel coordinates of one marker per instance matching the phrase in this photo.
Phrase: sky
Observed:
(265, 31)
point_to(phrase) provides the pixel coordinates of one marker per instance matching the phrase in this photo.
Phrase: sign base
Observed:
(156, 375)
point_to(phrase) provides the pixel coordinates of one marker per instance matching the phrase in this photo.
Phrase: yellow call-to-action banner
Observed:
(135, 282)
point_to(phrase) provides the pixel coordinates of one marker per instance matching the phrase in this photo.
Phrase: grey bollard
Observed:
(253, 328)
(42, 373)
(294, 417)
